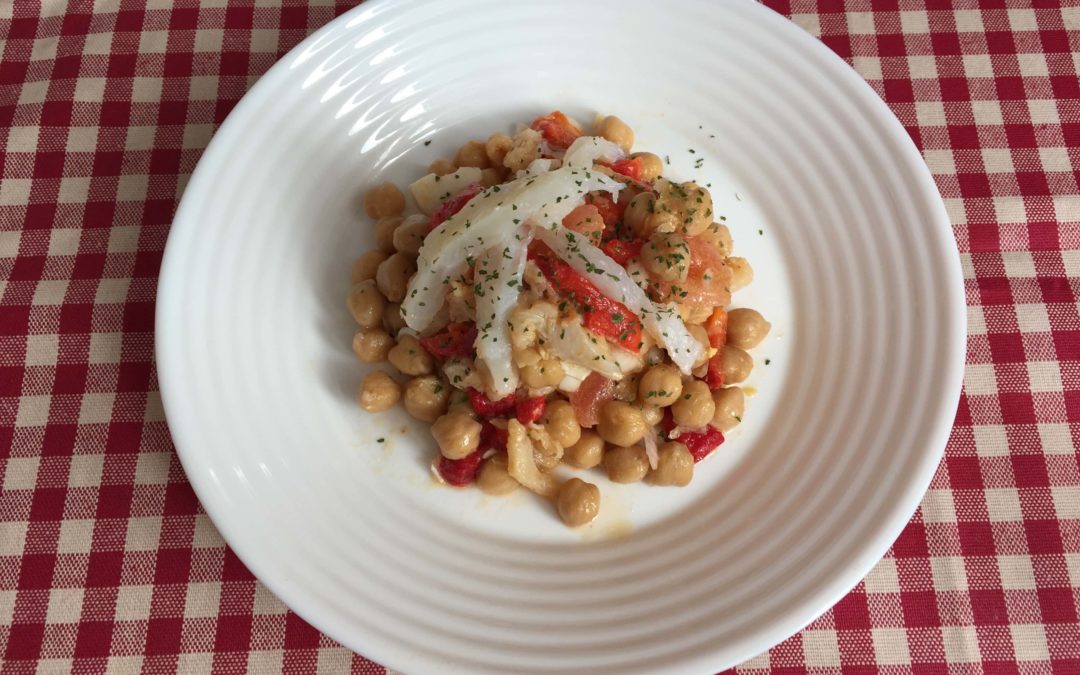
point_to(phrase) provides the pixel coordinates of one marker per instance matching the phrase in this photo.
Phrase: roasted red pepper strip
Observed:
(453, 205)
(699, 443)
(557, 129)
(610, 210)
(460, 472)
(493, 437)
(529, 410)
(621, 251)
(601, 315)
(631, 168)
(714, 376)
(485, 407)
(456, 340)
(716, 327)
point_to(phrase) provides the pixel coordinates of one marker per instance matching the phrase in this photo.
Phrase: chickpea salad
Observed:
(556, 302)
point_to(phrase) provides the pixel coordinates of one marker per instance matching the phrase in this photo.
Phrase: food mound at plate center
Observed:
(555, 306)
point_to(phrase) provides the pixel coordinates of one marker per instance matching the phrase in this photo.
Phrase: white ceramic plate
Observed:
(827, 197)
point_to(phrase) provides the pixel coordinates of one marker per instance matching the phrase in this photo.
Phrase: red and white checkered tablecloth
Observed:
(107, 562)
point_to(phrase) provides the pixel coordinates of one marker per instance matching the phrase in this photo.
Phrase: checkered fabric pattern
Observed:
(107, 563)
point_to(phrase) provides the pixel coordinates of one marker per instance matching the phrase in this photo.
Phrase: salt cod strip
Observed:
(487, 222)
(497, 284)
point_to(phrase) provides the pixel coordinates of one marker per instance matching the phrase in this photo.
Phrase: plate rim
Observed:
(792, 620)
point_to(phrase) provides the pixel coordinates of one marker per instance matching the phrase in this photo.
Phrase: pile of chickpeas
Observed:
(615, 443)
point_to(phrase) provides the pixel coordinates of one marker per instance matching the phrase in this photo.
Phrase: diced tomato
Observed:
(601, 315)
(456, 340)
(485, 407)
(699, 443)
(610, 210)
(557, 129)
(714, 376)
(621, 251)
(454, 204)
(595, 391)
(630, 167)
(716, 327)
(585, 220)
(528, 410)
(460, 472)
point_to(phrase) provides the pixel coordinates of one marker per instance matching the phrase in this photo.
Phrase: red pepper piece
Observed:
(621, 251)
(714, 376)
(557, 129)
(456, 340)
(485, 407)
(493, 437)
(529, 410)
(701, 443)
(630, 167)
(453, 205)
(602, 315)
(460, 472)
(716, 327)
(610, 210)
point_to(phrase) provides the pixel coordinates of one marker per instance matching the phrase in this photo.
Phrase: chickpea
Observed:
(626, 389)
(626, 465)
(441, 167)
(674, 466)
(457, 435)
(392, 319)
(459, 404)
(620, 423)
(366, 304)
(746, 328)
(702, 336)
(741, 273)
(667, 257)
(679, 207)
(538, 373)
(695, 407)
(371, 345)
(378, 392)
(618, 132)
(409, 235)
(365, 266)
(426, 397)
(384, 200)
(472, 153)
(719, 236)
(735, 363)
(561, 423)
(578, 502)
(496, 148)
(651, 165)
(587, 452)
(637, 214)
(384, 232)
(490, 177)
(409, 357)
(393, 276)
(661, 385)
(730, 403)
(525, 147)
(494, 478)
(652, 414)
